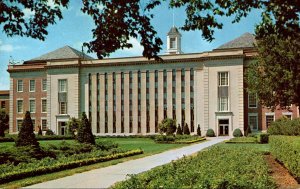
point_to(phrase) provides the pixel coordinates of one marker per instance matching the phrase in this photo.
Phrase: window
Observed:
(20, 86)
(269, 120)
(32, 106)
(287, 115)
(62, 108)
(172, 43)
(252, 99)
(19, 124)
(44, 105)
(31, 85)
(2, 104)
(33, 123)
(44, 84)
(44, 124)
(223, 104)
(20, 106)
(252, 121)
(62, 84)
(223, 78)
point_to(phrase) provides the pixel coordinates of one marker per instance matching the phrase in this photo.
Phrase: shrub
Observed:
(164, 138)
(26, 137)
(49, 132)
(40, 133)
(167, 126)
(248, 131)
(285, 126)
(242, 140)
(179, 130)
(186, 129)
(237, 133)
(286, 149)
(210, 133)
(263, 138)
(73, 125)
(85, 134)
(3, 122)
(106, 145)
(198, 130)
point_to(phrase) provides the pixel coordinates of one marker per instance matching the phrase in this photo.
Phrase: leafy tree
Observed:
(85, 134)
(73, 125)
(167, 126)
(275, 76)
(179, 130)
(248, 130)
(3, 122)
(40, 131)
(198, 130)
(118, 21)
(26, 137)
(186, 129)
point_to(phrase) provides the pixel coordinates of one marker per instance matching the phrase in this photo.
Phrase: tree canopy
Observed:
(118, 21)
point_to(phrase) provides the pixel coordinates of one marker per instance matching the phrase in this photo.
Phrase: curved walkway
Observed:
(105, 177)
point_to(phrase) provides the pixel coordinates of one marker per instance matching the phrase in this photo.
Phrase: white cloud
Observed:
(9, 47)
(28, 13)
(136, 50)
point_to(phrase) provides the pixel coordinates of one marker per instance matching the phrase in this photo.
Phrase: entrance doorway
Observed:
(223, 127)
(62, 128)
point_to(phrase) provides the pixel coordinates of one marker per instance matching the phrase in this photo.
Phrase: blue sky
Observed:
(76, 28)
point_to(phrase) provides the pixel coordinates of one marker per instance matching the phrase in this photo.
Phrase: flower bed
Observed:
(217, 167)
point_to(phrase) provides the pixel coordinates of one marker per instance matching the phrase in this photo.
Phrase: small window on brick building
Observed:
(2, 104)
(32, 85)
(44, 124)
(252, 99)
(20, 86)
(19, 124)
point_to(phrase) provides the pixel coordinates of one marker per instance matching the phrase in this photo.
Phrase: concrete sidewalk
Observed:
(105, 177)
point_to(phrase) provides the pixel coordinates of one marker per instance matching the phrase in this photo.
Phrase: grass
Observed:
(147, 145)
(264, 148)
(243, 140)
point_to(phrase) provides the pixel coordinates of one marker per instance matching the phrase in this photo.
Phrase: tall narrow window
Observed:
(90, 98)
(62, 96)
(32, 106)
(174, 93)
(173, 43)
(19, 124)
(44, 105)
(269, 120)
(44, 124)
(182, 97)
(165, 92)
(31, 85)
(192, 98)
(44, 84)
(223, 94)
(147, 103)
(106, 104)
(114, 102)
(20, 106)
(253, 121)
(122, 102)
(98, 104)
(139, 101)
(156, 101)
(252, 99)
(20, 86)
(130, 102)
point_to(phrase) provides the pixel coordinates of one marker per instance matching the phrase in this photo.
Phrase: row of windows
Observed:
(32, 106)
(43, 124)
(253, 119)
(32, 85)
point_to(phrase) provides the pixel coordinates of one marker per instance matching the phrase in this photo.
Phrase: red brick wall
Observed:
(26, 95)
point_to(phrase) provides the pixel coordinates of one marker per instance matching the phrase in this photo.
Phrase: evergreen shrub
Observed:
(210, 133)
(237, 133)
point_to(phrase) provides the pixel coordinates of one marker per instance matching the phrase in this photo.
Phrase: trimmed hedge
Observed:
(286, 149)
(210, 133)
(263, 138)
(44, 166)
(216, 167)
(242, 140)
(237, 133)
(285, 126)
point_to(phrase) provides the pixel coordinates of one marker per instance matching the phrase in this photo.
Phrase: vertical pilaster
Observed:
(134, 102)
(118, 103)
(110, 102)
(143, 103)
(169, 94)
(178, 97)
(126, 103)
(102, 103)
(160, 96)
(152, 101)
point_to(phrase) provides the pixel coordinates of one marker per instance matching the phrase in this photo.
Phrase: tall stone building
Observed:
(129, 96)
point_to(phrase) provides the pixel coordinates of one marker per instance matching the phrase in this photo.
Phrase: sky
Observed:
(75, 29)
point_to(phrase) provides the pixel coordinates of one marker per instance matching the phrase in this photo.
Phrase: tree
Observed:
(3, 122)
(26, 137)
(40, 133)
(118, 21)
(179, 130)
(186, 129)
(167, 126)
(85, 134)
(73, 125)
(275, 76)
(198, 130)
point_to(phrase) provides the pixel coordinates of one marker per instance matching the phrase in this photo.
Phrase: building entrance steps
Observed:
(107, 176)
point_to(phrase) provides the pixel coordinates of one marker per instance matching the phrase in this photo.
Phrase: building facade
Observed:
(129, 96)
(4, 100)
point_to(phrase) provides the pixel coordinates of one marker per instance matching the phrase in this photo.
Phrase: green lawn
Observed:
(146, 144)
(265, 148)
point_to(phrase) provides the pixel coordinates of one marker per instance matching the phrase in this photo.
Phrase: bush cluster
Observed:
(210, 133)
(263, 138)
(237, 133)
(286, 149)
(285, 126)
(242, 140)
(164, 138)
(216, 167)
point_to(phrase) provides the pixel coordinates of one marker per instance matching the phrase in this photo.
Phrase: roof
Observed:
(65, 52)
(247, 40)
(173, 31)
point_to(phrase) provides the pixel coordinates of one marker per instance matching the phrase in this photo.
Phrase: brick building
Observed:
(4, 100)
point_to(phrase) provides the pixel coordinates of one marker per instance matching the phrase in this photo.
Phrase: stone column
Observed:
(187, 98)
(143, 103)
(160, 96)
(169, 94)
(134, 102)
(110, 102)
(94, 103)
(126, 103)
(178, 97)
(152, 101)
(102, 102)
(118, 103)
